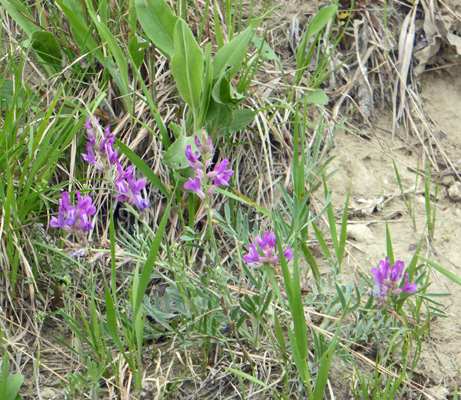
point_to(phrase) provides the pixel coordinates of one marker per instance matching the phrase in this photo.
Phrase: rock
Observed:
(454, 192)
(360, 233)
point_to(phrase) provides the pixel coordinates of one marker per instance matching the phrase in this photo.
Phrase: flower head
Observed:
(74, 220)
(267, 245)
(387, 279)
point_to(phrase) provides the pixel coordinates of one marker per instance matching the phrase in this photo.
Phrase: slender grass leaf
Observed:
(81, 32)
(207, 86)
(448, 274)
(19, 12)
(150, 261)
(390, 251)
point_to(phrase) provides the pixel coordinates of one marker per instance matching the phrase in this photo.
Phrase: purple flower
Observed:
(122, 188)
(220, 174)
(85, 205)
(387, 279)
(267, 245)
(90, 158)
(195, 186)
(407, 287)
(136, 188)
(194, 162)
(90, 130)
(66, 215)
(74, 220)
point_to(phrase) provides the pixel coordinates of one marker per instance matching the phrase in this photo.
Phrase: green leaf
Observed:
(13, 385)
(321, 19)
(137, 47)
(241, 119)
(21, 15)
(218, 116)
(175, 157)
(150, 261)
(324, 369)
(448, 274)
(187, 65)
(207, 86)
(316, 97)
(7, 94)
(47, 48)
(266, 51)
(158, 21)
(80, 30)
(232, 54)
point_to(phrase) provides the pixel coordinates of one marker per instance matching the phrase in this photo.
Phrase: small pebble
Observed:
(454, 192)
(360, 233)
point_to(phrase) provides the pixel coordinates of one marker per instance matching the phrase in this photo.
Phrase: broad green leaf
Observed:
(218, 116)
(187, 65)
(321, 19)
(222, 91)
(266, 51)
(13, 384)
(47, 48)
(241, 119)
(158, 21)
(232, 54)
(7, 94)
(137, 47)
(316, 97)
(175, 157)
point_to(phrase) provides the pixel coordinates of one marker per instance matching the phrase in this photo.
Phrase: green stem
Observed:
(210, 226)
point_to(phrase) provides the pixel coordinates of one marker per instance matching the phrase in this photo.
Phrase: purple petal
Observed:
(288, 253)
(195, 186)
(253, 256)
(191, 157)
(55, 223)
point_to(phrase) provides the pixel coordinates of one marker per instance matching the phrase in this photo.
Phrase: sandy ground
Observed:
(368, 164)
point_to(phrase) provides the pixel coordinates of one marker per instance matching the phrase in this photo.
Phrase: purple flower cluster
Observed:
(75, 220)
(268, 247)
(387, 279)
(102, 143)
(220, 175)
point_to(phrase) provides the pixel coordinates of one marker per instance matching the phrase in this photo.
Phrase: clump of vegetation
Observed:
(159, 214)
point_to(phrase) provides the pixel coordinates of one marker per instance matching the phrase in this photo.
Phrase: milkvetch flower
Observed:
(220, 175)
(387, 279)
(268, 246)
